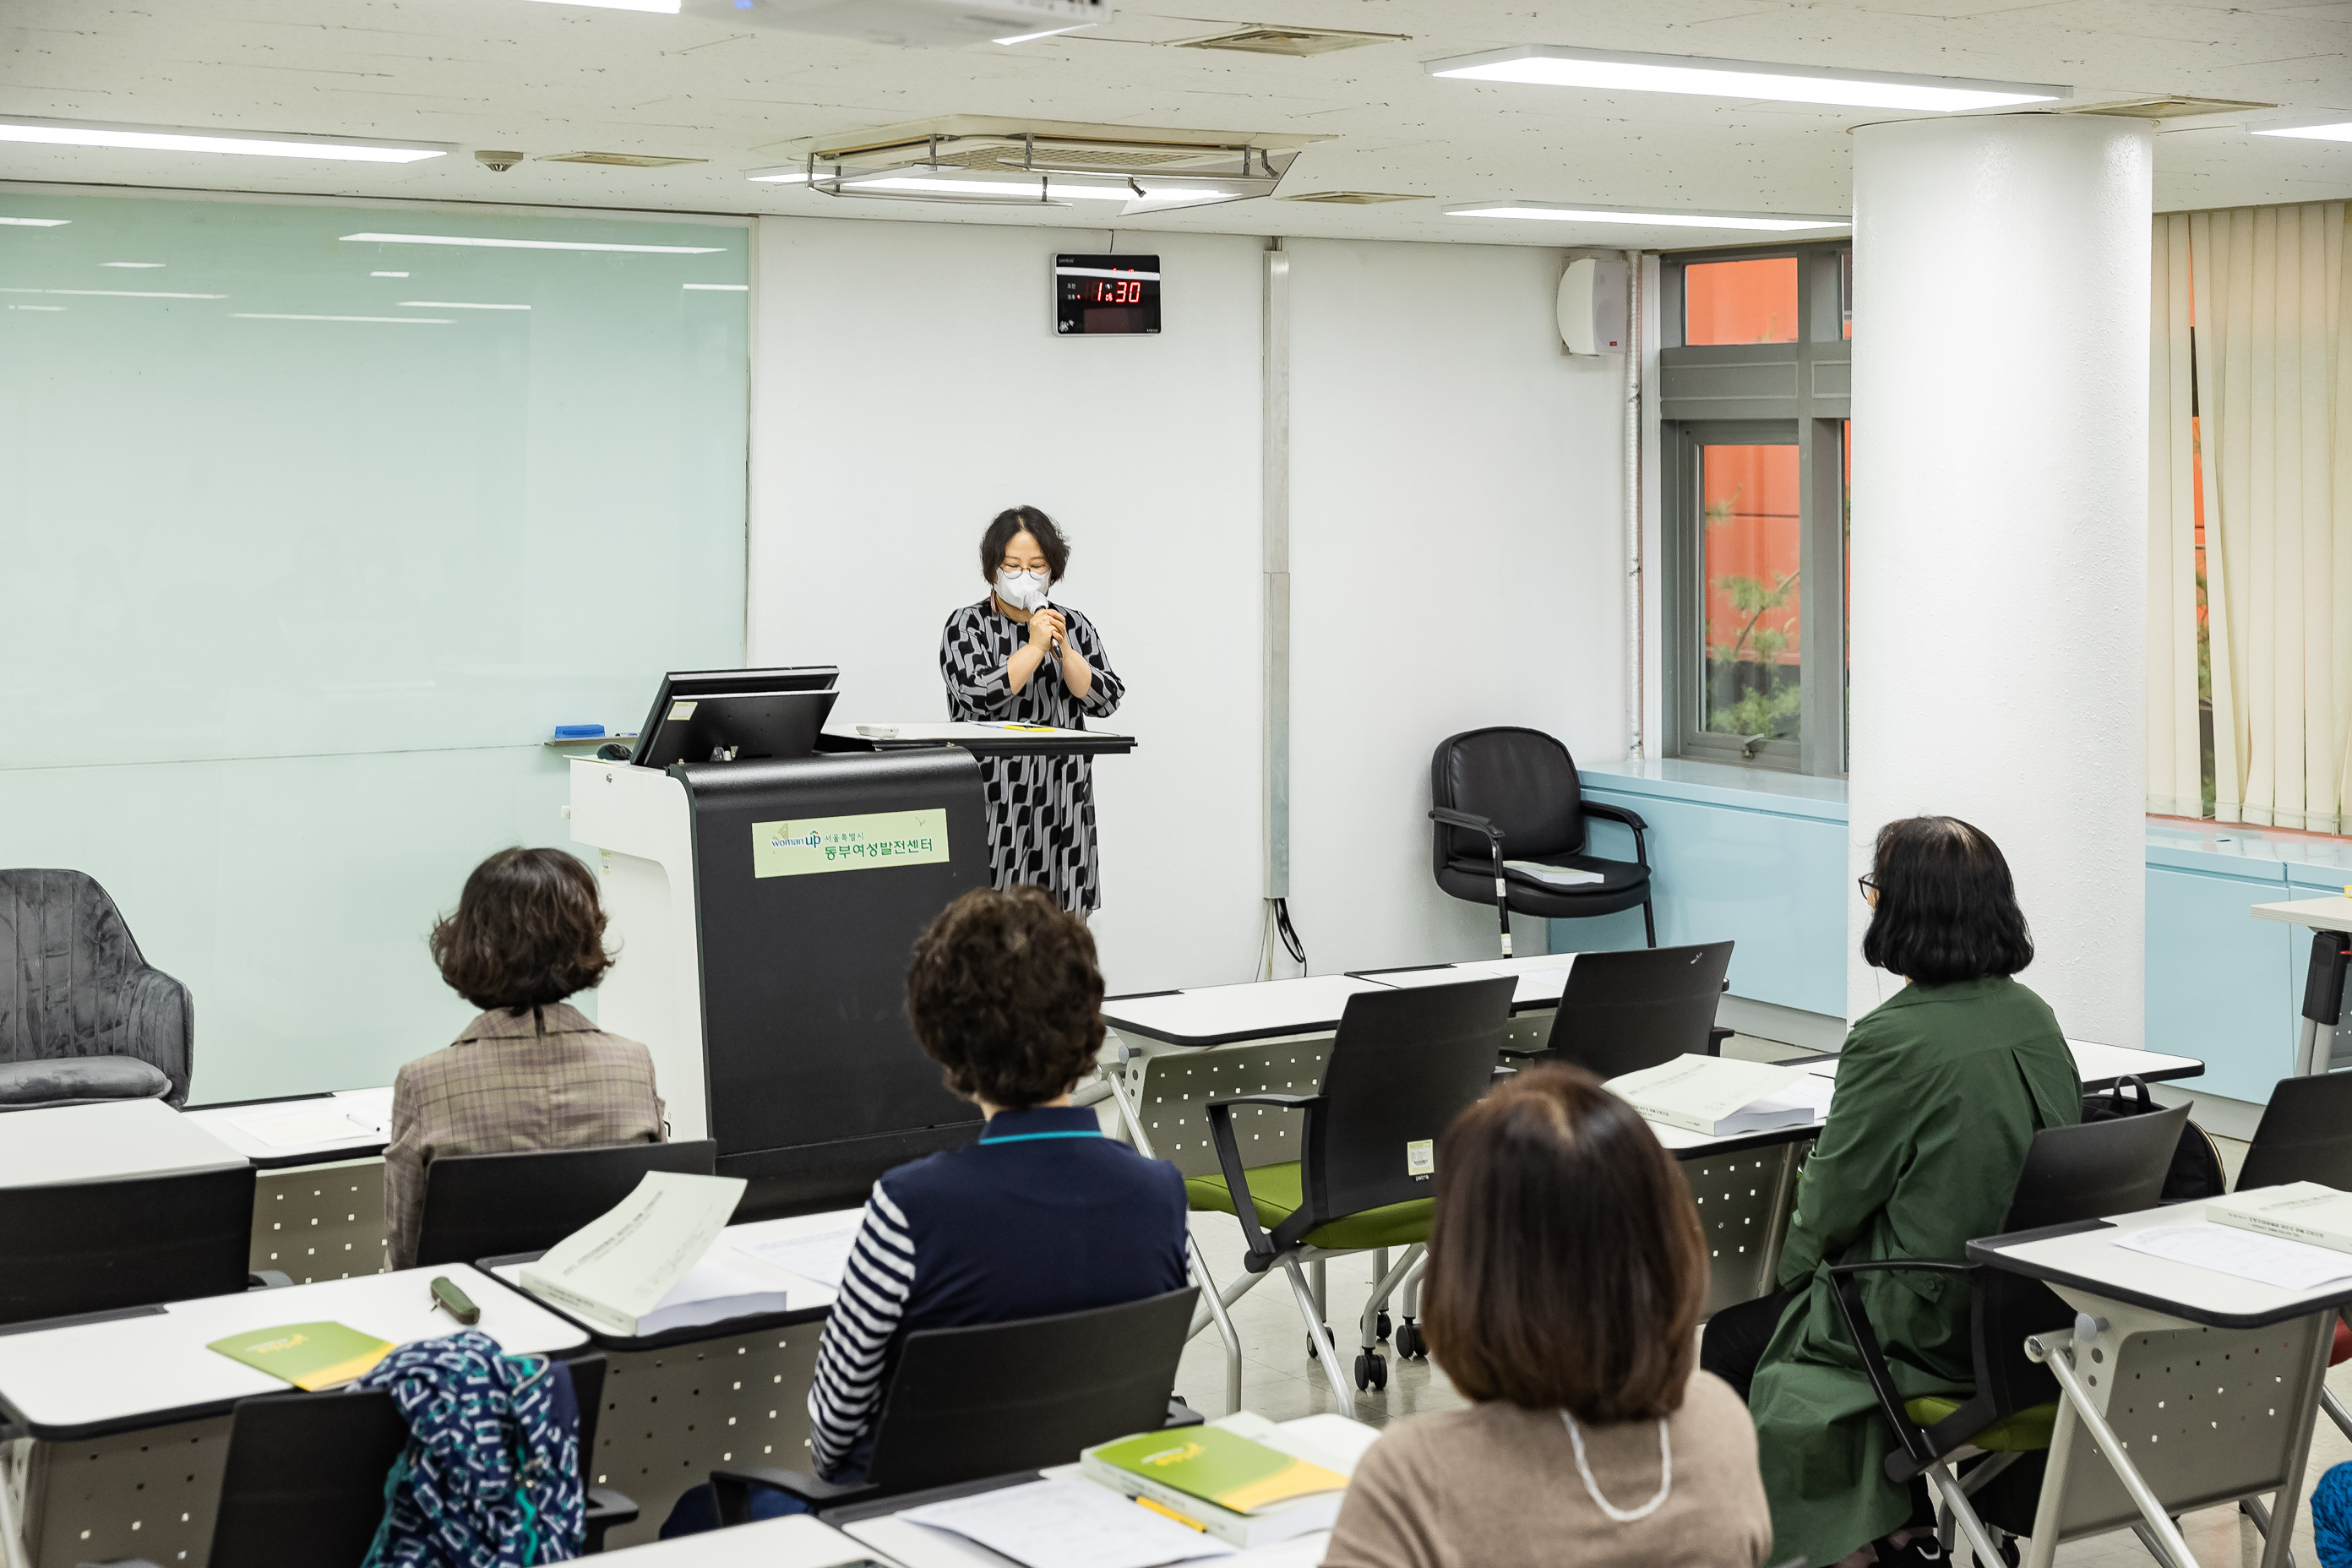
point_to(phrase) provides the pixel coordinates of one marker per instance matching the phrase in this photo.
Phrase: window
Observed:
(1753, 380)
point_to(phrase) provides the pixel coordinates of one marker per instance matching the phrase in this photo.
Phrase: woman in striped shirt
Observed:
(1042, 1215)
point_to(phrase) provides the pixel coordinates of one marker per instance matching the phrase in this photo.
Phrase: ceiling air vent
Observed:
(2167, 107)
(1290, 40)
(1351, 199)
(619, 160)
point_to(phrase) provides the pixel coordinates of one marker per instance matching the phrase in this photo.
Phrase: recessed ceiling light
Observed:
(2336, 130)
(531, 244)
(251, 143)
(1053, 187)
(387, 274)
(454, 305)
(115, 293)
(36, 223)
(1585, 212)
(665, 7)
(139, 264)
(720, 288)
(1612, 70)
(387, 321)
(37, 307)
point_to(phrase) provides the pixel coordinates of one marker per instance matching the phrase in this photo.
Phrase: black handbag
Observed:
(2197, 1171)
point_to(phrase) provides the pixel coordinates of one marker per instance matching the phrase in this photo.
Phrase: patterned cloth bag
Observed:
(491, 1475)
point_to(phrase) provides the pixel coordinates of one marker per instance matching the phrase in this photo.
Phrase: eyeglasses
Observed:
(1867, 882)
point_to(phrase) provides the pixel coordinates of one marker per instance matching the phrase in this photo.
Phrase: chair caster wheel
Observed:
(1314, 1346)
(1371, 1371)
(1381, 1328)
(1408, 1343)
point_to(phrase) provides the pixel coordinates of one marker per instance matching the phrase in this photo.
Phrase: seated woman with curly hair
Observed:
(1042, 1214)
(530, 1072)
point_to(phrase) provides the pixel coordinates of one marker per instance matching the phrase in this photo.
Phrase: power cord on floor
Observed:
(1277, 928)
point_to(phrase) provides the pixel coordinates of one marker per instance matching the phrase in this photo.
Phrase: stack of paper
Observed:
(1241, 1491)
(2266, 1260)
(821, 1255)
(1720, 1096)
(627, 1270)
(2299, 1211)
(1068, 1525)
(1553, 875)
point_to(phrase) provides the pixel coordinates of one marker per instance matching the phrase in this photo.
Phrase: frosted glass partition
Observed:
(314, 522)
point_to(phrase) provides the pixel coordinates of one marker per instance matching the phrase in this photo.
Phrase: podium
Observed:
(763, 913)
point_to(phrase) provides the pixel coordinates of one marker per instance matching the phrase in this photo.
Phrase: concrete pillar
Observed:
(1999, 489)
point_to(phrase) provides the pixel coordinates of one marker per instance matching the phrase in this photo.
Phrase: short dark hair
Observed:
(1023, 520)
(1567, 1268)
(1005, 996)
(1947, 906)
(529, 931)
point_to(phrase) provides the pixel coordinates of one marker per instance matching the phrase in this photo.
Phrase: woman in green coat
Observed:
(1940, 1092)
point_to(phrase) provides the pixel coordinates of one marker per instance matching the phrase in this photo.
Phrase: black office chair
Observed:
(303, 1482)
(1403, 1065)
(2305, 1136)
(1001, 1398)
(2071, 1174)
(1622, 1012)
(488, 1205)
(91, 1246)
(1508, 793)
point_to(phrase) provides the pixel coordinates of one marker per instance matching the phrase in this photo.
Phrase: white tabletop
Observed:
(2320, 914)
(140, 1370)
(964, 729)
(1541, 977)
(2090, 1260)
(102, 1143)
(1217, 1014)
(799, 1542)
(2095, 1064)
(306, 1131)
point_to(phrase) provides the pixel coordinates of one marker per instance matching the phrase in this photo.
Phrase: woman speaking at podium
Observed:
(1016, 657)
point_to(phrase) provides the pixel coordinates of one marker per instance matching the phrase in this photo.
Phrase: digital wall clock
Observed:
(1101, 295)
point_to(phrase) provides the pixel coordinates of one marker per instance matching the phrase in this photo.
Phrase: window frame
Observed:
(1792, 393)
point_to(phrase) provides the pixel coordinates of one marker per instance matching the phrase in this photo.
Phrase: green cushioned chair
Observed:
(2072, 1174)
(1403, 1064)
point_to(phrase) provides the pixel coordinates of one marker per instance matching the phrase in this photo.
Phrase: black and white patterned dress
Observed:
(1041, 810)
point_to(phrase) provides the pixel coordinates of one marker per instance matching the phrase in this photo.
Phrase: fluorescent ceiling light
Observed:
(37, 222)
(1612, 70)
(389, 320)
(131, 264)
(37, 307)
(115, 293)
(531, 244)
(790, 174)
(1048, 33)
(1568, 212)
(387, 274)
(1055, 188)
(725, 288)
(455, 305)
(254, 143)
(2341, 130)
(665, 7)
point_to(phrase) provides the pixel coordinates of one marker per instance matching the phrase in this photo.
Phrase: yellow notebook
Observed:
(311, 1356)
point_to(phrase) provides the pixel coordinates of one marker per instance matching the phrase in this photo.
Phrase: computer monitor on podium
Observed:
(712, 715)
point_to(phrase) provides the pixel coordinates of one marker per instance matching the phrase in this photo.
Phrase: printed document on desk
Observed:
(821, 1256)
(2265, 1259)
(1720, 1095)
(309, 1121)
(618, 1268)
(1067, 1524)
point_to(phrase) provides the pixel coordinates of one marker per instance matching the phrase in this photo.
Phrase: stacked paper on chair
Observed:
(1720, 1095)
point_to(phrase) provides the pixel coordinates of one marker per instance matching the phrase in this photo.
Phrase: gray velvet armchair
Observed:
(76, 993)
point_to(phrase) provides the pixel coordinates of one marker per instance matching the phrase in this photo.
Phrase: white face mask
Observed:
(1022, 590)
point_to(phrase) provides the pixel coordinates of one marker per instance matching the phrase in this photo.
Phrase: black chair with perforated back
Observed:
(488, 1205)
(2073, 1176)
(1403, 1065)
(1622, 1012)
(998, 1399)
(302, 1484)
(2305, 1136)
(1507, 794)
(92, 1246)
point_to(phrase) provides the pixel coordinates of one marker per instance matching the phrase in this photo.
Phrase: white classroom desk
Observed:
(104, 1142)
(806, 1301)
(1271, 1009)
(306, 1129)
(147, 1366)
(2220, 1376)
(2315, 1049)
(799, 1542)
(2099, 1066)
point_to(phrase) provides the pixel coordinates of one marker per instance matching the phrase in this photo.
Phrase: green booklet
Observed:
(1217, 1466)
(311, 1356)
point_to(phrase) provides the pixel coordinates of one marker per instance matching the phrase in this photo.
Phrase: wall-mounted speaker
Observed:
(1592, 307)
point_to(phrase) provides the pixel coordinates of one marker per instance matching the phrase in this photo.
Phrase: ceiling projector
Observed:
(917, 23)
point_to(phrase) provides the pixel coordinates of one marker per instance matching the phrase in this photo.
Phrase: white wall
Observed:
(1456, 560)
(909, 386)
(1455, 541)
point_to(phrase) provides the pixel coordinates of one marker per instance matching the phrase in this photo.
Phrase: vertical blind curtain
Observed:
(2252, 340)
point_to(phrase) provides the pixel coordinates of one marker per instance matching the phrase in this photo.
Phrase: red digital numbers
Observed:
(1117, 293)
